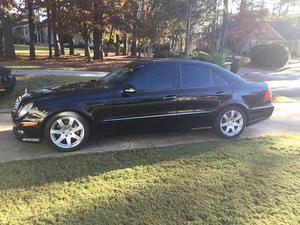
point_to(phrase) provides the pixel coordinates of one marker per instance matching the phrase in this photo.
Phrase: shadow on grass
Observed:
(208, 184)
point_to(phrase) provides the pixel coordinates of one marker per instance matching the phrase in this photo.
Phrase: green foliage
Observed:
(270, 55)
(230, 182)
(220, 57)
(200, 55)
(164, 54)
(19, 39)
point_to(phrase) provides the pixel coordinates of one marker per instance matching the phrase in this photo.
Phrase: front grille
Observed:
(18, 102)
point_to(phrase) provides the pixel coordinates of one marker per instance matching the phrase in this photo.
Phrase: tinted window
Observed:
(218, 80)
(194, 76)
(118, 76)
(156, 78)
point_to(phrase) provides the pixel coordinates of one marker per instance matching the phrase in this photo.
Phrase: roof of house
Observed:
(288, 31)
(285, 29)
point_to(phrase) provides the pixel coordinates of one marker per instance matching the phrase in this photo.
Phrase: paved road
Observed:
(285, 120)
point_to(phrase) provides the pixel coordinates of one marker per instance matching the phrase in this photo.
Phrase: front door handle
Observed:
(170, 98)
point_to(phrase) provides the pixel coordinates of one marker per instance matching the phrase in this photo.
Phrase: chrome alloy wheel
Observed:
(231, 123)
(67, 132)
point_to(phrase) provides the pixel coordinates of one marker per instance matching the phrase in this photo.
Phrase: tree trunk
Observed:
(97, 32)
(133, 45)
(72, 46)
(1, 42)
(124, 52)
(49, 30)
(31, 29)
(181, 45)
(188, 28)
(8, 37)
(117, 44)
(86, 47)
(61, 43)
(55, 35)
(225, 23)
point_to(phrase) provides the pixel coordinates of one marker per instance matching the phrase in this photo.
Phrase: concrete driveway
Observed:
(284, 82)
(285, 120)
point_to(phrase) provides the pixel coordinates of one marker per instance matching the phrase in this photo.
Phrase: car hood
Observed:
(64, 89)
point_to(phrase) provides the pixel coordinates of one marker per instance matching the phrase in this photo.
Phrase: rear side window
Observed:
(195, 76)
(218, 80)
(157, 78)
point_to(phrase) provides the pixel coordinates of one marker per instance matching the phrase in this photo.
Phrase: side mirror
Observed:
(128, 89)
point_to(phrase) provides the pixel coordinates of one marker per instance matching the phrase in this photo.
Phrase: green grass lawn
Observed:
(43, 50)
(231, 182)
(33, 83)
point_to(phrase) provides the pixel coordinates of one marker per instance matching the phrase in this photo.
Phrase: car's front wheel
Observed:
(67, 131)
(230, 122)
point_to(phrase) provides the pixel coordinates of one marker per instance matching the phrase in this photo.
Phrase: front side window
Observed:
(157, 78)
(118, 76)
(195, 76)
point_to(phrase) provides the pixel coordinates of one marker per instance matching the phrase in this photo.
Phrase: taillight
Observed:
(268, 95)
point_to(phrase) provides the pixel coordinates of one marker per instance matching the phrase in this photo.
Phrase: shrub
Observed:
(220, 56)
(200, 55)
(271, 55)
(19, 39)
(164, 54)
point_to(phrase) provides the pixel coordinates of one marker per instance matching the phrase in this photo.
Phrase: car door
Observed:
(148, 99)
(201, 93)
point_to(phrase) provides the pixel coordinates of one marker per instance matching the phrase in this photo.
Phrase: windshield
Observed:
(118, 76)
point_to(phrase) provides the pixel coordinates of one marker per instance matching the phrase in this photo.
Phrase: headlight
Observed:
(25, 109)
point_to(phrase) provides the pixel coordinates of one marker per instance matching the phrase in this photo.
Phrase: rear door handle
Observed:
(170, 98)
(221, 93)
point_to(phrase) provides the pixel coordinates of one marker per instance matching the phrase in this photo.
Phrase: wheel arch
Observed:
(85, 115)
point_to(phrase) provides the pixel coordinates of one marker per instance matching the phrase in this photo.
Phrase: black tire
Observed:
(217, 123)
(64, 116)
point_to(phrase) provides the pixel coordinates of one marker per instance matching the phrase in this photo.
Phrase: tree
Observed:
(31, 29)
(48, 8)
(5, 13)
(1, 40)
(57, 50)
(188, 28)
(98, 29)
(225, 22)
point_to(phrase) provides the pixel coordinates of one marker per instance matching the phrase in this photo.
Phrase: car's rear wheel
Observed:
(230, 122)
(67, 131)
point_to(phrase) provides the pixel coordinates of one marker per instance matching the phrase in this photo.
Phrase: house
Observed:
(21, 33)
(242, 40)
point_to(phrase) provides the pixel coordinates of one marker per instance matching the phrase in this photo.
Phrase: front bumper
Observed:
(7, 86)
(258, 114)
(26, 134)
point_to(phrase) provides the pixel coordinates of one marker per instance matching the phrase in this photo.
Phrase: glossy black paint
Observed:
(113, 109)
(7, 80)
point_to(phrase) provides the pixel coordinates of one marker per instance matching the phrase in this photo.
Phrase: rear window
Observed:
(195, 76)
(218, 80)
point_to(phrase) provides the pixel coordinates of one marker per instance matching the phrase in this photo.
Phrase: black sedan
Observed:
(145, 95)
(7, 80)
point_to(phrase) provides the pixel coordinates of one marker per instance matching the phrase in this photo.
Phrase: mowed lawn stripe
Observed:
(232, 182)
